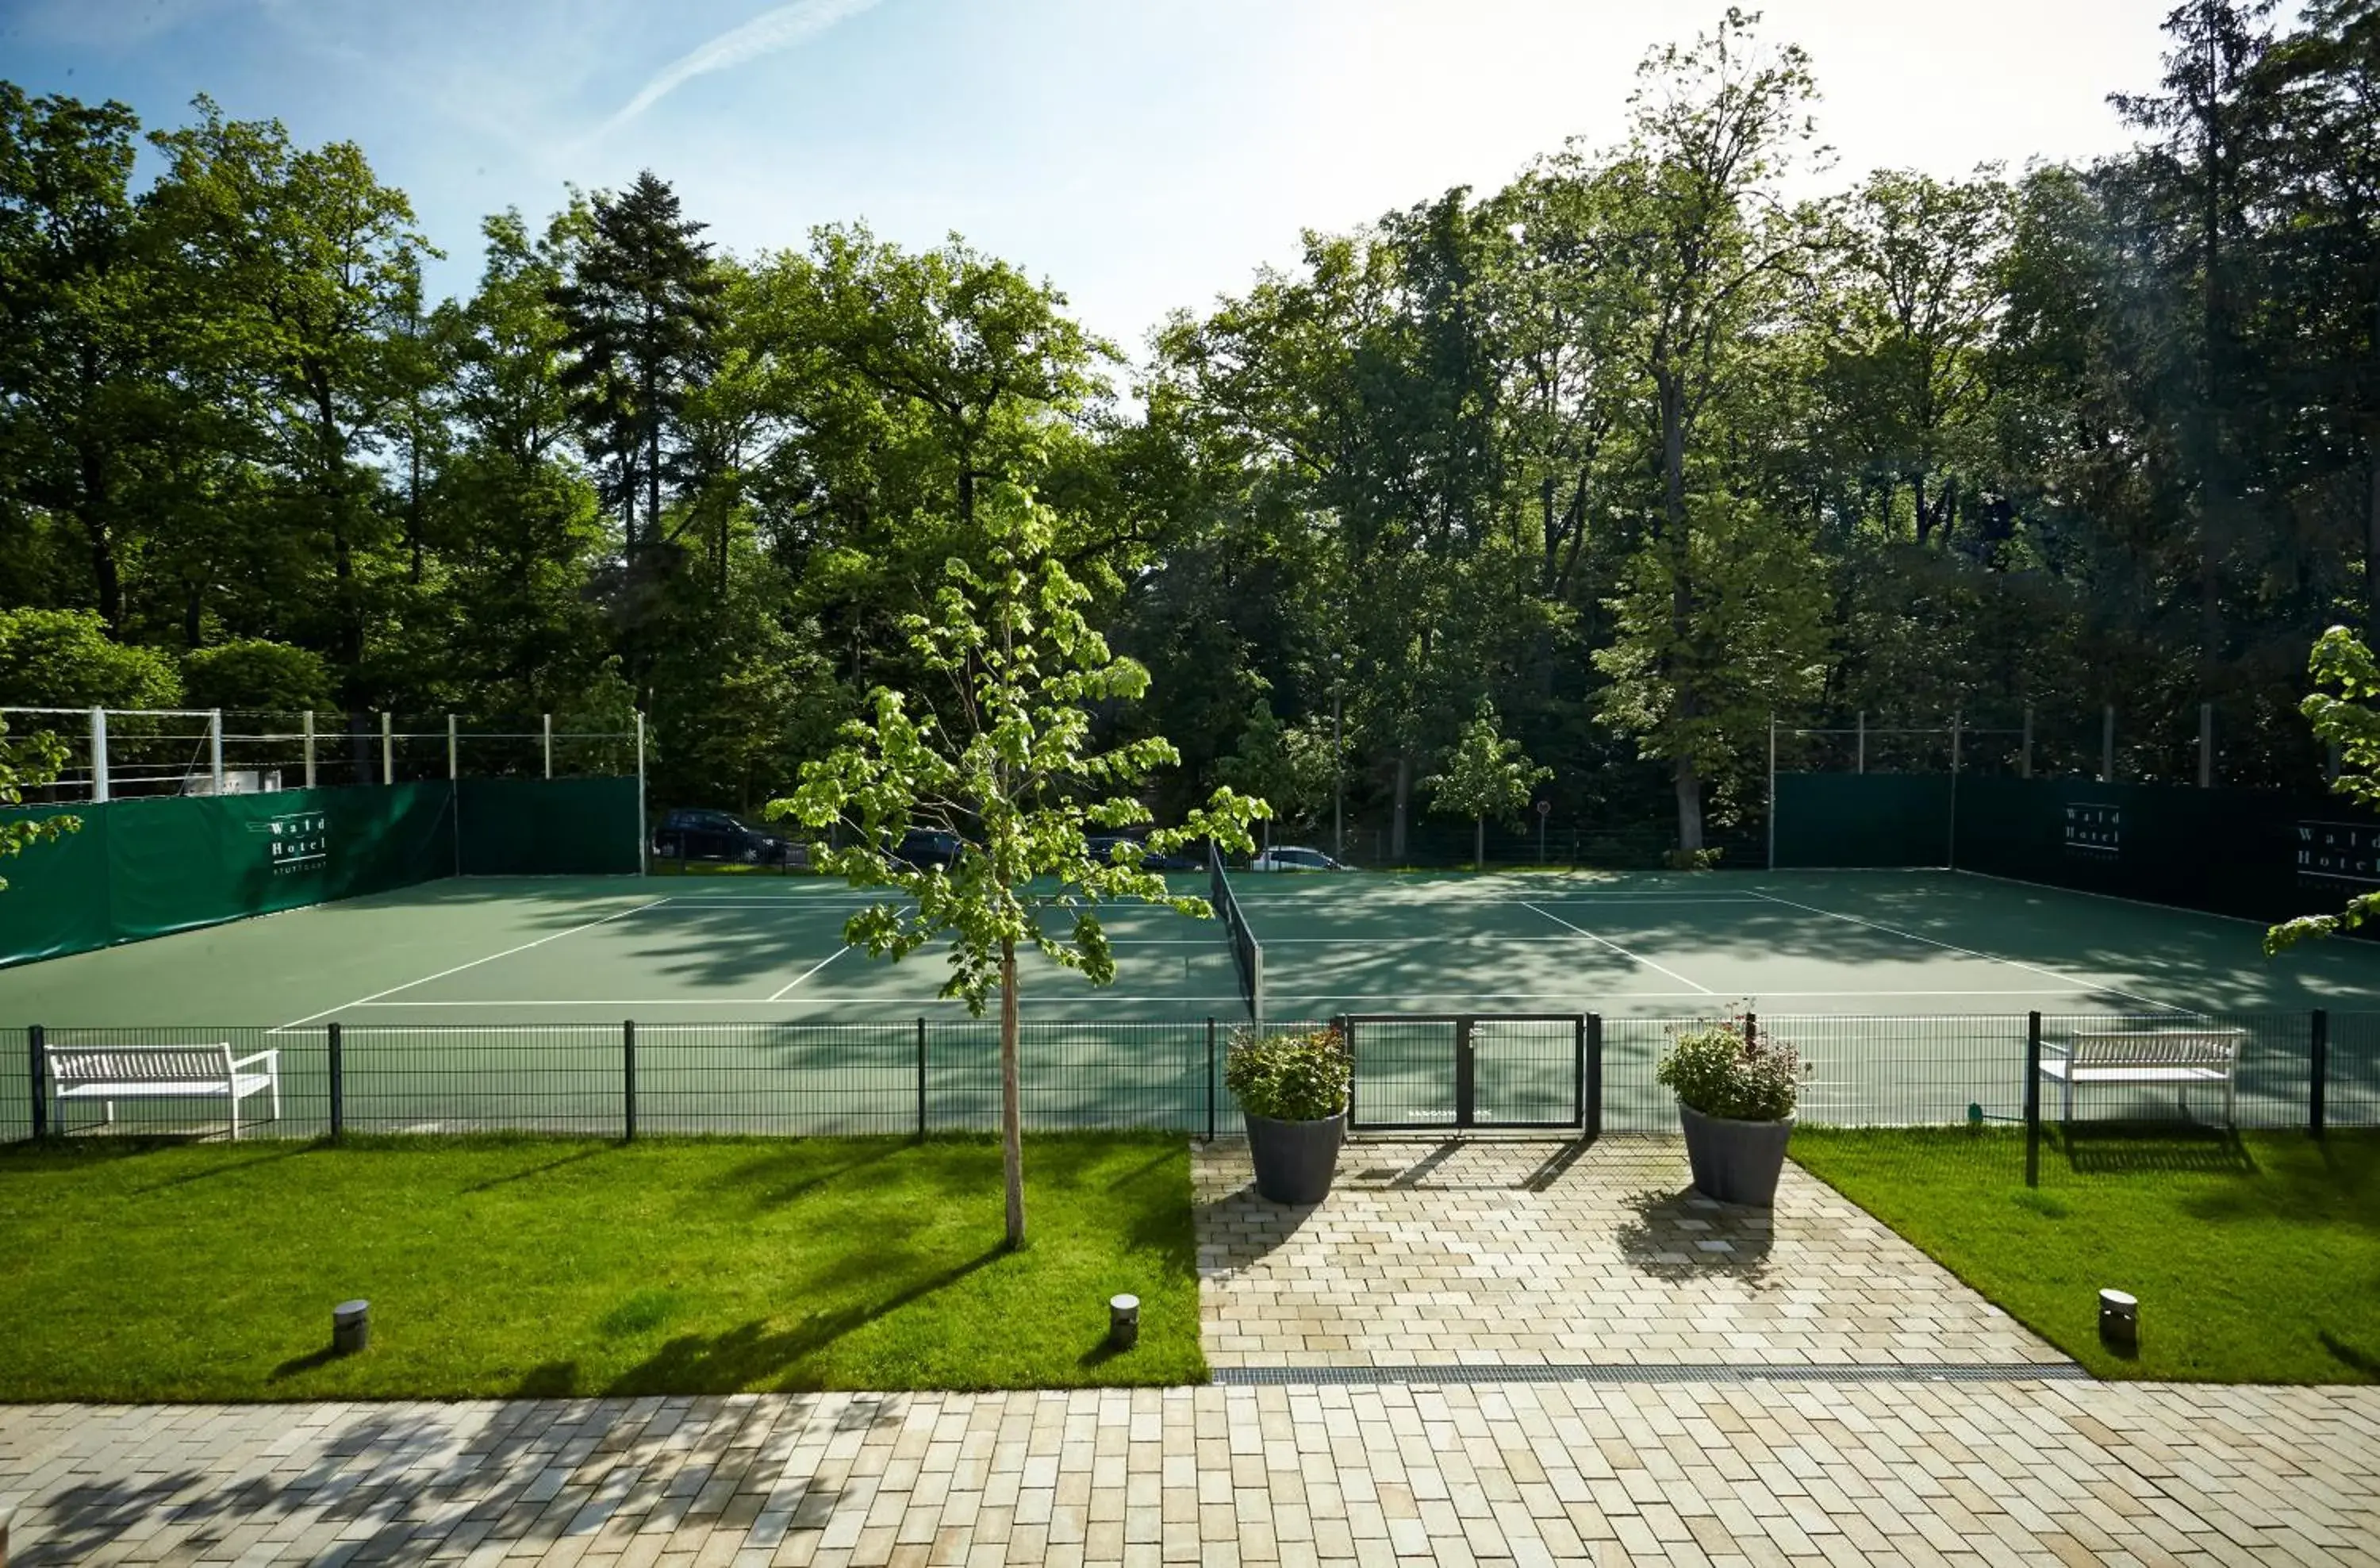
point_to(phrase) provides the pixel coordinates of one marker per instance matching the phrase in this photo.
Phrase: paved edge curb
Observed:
(1687, 1372)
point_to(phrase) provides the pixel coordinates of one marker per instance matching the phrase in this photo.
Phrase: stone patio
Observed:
(1701, 1474)
(1502, 1252)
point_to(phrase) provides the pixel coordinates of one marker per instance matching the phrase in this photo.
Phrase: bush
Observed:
(1290, 1077)
(256, 674)
(65, 658)
(1730, 1070)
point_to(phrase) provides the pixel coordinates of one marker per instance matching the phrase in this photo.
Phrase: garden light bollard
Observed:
(1124, 1321)
(2119, 1319)
(350, 1326)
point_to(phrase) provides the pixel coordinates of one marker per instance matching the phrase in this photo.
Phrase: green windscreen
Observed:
(1861, 820)
(537, 827)
(147, 866)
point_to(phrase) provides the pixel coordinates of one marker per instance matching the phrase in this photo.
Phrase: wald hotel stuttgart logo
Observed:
(299, 840)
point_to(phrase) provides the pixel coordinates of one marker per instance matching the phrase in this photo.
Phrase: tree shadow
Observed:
(2352, 1357)
(386, 1479)
(752, 1355)
(1682, 1235)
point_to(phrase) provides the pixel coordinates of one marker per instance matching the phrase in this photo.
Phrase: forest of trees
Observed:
(1641, 448)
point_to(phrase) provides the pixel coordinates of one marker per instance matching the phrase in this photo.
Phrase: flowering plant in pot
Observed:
(1736, 1091)
(1292, 1086)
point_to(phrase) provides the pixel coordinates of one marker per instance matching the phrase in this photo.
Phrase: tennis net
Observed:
(1248, 954)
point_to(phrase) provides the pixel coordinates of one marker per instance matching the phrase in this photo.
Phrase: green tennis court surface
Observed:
(487, 952)
(501, 1002)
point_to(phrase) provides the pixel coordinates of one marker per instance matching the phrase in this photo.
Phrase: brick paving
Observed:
(1705, 1473)
(1490, 1255)
(1506, 1252)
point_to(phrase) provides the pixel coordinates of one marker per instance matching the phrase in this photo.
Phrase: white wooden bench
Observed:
(2150, 1055)
(110, 1073)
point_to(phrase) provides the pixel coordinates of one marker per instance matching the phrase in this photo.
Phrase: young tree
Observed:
(1008, 766)
(1485, 776)
(1289, 768)
(28, 765)
(2347, 678)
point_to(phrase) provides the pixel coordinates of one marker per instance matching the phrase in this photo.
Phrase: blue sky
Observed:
(1143, 154)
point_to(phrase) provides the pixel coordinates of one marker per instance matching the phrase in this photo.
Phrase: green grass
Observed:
(2255, 1259)
(537, 1266)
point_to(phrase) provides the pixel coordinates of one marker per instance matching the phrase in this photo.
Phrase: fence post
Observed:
(2318, 1070)
(214, 749)
(452, 761)
(1210, 1078)
(387, 748)
(628, 1076)
(37, 1075)
(921, 1080)
(1591, 1114)
(338, 1082)
(310, 748)
(99, 756)
(2206, 746)
(2108, 744)
(2032, 1099)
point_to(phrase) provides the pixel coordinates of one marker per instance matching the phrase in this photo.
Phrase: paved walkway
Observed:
(1528, 1252)
(1688, 1439)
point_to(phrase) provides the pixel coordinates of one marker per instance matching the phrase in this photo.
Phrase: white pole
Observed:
(1772, 792)
(99, 755)
(451, 771)
(642, 868)
(1951, 847)
(548, 746)
(1862, 738)
(214, 747)
(310, 748)
(387, 750)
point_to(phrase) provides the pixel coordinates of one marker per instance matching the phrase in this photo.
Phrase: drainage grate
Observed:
(1691, 1372)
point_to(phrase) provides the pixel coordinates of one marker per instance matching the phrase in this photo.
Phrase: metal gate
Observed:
(1454, 1072)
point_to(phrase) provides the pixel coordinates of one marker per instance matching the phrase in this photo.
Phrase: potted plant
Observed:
(1292, 1089)
(1736, 1089)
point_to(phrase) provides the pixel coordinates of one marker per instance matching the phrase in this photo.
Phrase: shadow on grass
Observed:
(2122, 1148)
(751, 1356)
(1676, 1236)
(526, 1174)
(2349, 1356)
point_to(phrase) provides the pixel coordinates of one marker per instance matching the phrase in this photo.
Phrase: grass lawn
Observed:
(534, 1266)
(2255, 1259)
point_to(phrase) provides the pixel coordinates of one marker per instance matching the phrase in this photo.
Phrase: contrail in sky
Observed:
(764, 34)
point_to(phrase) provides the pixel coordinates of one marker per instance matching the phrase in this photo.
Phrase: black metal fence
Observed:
(913, 1076)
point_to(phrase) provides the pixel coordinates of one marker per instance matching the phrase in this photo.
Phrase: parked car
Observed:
(1103, 844)
(1281, 858)
(925, 848)
(688, 833)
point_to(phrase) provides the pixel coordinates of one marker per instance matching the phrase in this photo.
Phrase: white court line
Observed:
(806, 974)
(1623, 953)
(1972, 952)
(458, 968)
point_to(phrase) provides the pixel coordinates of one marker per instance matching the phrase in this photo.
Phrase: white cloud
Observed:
(764, 34)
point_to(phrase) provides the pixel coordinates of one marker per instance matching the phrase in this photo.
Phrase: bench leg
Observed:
(276, 1097)
(235, 1114)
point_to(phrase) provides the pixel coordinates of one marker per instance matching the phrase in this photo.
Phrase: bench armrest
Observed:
(270, 1058)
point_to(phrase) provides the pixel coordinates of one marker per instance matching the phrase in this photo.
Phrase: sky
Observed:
(1142, 155)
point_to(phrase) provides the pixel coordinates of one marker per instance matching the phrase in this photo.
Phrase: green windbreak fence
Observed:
(549, 827)
(2257, 855)
(1861, 820)
(145, 867)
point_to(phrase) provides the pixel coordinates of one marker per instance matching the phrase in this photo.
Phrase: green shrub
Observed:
(1727, 1069)
(1290, 1077)
(256, 674)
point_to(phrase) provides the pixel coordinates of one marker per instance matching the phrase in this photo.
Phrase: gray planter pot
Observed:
(1295, 1161)
(1735, 1161)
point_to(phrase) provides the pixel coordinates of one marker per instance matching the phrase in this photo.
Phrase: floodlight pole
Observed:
(1772, 793)
(99, 756)
(1338, 770)
(643, 867)
(214, 748)
(1951, 847)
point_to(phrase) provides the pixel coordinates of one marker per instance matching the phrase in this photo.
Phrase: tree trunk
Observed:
(1012, 1107)
(1402, 802)
(1690, 806)
(2371, 551)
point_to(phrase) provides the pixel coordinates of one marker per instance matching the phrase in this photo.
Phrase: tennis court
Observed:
(1906, 987)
